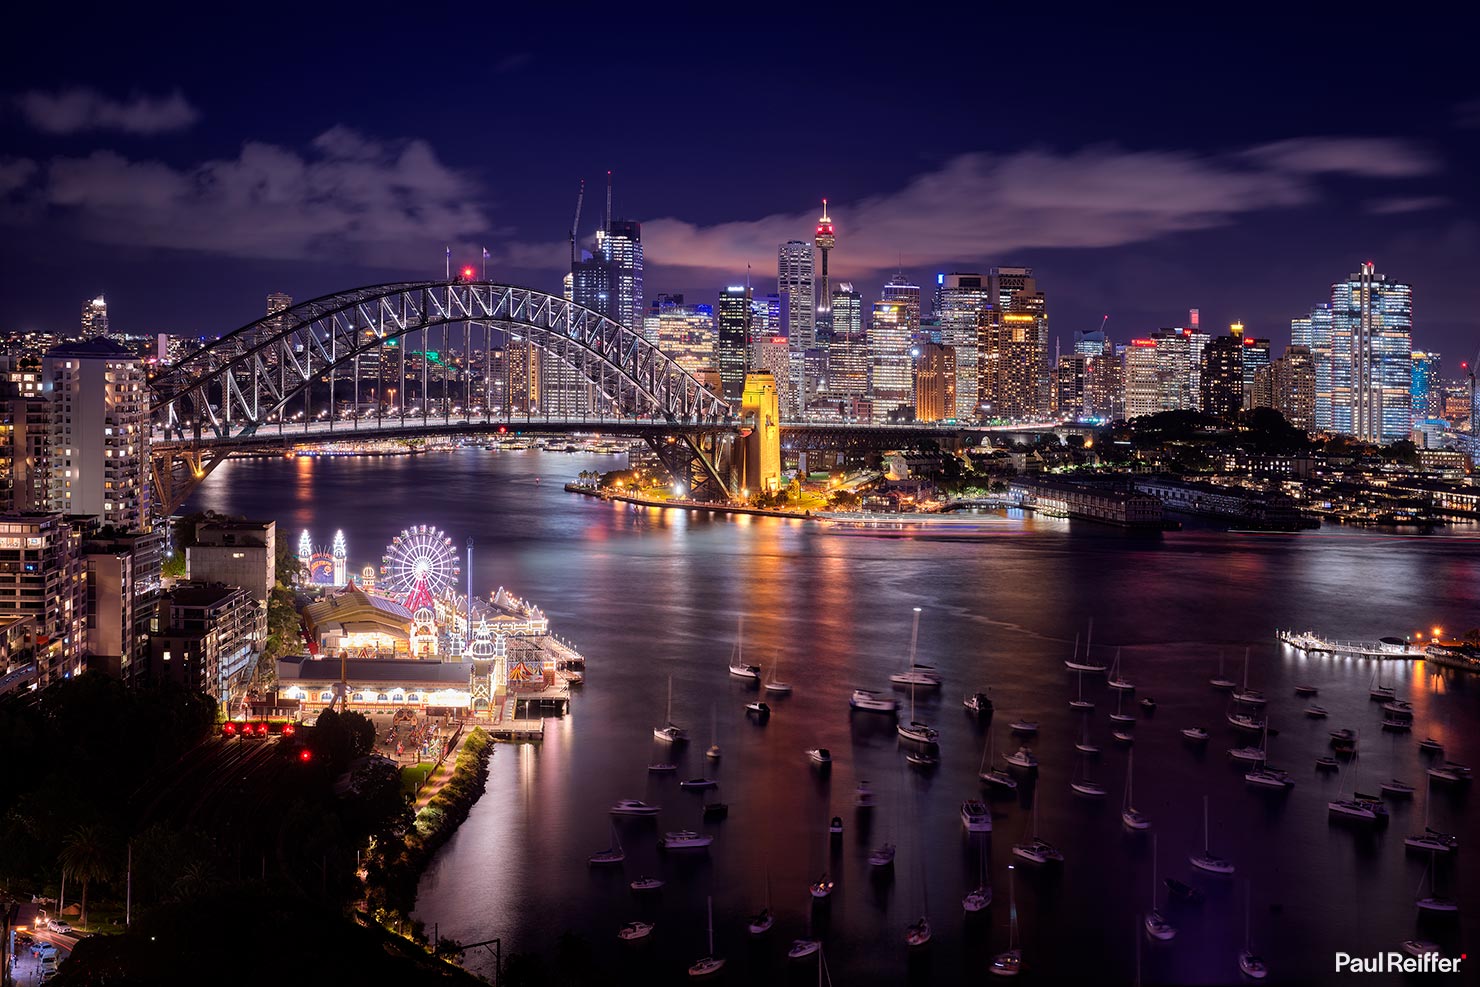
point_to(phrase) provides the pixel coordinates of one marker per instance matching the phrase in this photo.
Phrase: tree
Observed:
(87, 856)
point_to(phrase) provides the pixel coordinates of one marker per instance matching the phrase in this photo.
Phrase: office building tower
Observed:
(1173, 369)
(824, 240)
(1256, 358)
(1015, 293)
(1426, 390)
(891, 376)
(1314, 333)
(1197, 340)
(42, 576)
(1104, 386)
(1143, 389)
(99, 433)
(961, 298)
(1223, 376)
(935, 382)
(1091, 343)
(1293, 387)
(902, 290)
(1071, 376)
(766, 318)
(683, 332)
(794, 286)
(1007, 365)
(95, 317)
(732, 340)
(1372, 366)
(772, 355)
(848, 355)
(608, 278)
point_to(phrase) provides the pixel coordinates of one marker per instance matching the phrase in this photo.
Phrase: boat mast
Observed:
(1012, 908)
(1153, 872)
(1205, 825)
(914, 637)
(709, 905)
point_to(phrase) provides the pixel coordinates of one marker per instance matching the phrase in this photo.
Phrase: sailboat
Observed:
(714, 752)
(915, 730)
(1117, 676)
(1358, 808)
(1083, 744)
(738, 667)
(1251, 753)
(1132, 818)
(1085, 786)
(1221, 681)
(1074, 664)
(773, 684)
(1380, 692)
(1120, 716)
(613, 855)
(807, 945)
(1250, 964)
(916, 674)
(1206, 860)
(1080, 702)
(1157, 927)
(990, 773)
(633, 931)
(762, 921)
(1252, 697)
(670, 732)
(979, 897)
(1433, 902)
(1036, 850)
(710, 963)
(918, 933)
(1430, 839)
(1009, 963)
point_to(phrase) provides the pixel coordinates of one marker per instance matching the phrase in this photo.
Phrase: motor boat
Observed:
(917, 933)
(821, 755)
(1246, 753)
(1397, 788)
(1023, 757)
(1007, 964)
(1326, 764)
(1244, 721)
(685, 839)
(802, 948)
(977, 899)
(762, 921)
(1148, 704)
(634, 807)
(615, 855)
(1024, 726)
(633, 931)
(759, 709)
(1269, 778)
(920, 676)
(1316, 712)
(1450, 772)
(872, 702)
(881, 856)
(822, 887)
(975, 816)
(1037, 851)
(662, 767)
(978, 703)
(836, 826)
(1344, 734)
(698, 783)
(1398, 724)
(1195, 734)
(919, 732)
(1430, 841)
(670, 734)
(922, 759)
(646, 884)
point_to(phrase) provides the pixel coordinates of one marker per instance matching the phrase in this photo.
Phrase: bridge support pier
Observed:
(175, 475)
(700, 461)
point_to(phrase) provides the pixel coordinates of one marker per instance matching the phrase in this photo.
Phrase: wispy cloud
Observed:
(79, 110)
(15, 173)
(347, 197)
(1405, 204)
(1370, 157)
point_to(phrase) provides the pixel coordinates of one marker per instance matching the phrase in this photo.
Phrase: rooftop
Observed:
(97, 348)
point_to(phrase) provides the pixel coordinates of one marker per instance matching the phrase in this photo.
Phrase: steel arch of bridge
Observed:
(248, 377)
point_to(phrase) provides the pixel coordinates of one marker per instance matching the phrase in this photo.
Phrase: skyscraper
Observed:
(935, 382)
(95, 317)
(99, 433)
(608, 278)
(848, 355)
(901, 289)
(795, 286)
(1426, 391)
(892, 374)
(824, 240)
(1142, 381)
(1314, 333)
(733, 341)
(683, 332)
(961, 300)
(1223, 376)
(1015, 293)
(1372, 369)
(1293, 383)
(1256, 358)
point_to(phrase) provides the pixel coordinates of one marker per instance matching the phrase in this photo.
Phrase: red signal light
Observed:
(467, 274)
(228, 729)
(289, 729)
(262, 729)
(305, 755)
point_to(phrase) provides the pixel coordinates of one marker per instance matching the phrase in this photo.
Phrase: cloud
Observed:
(79, 109)
(15, 173)
(1405, 204)
(347, 197)
(990, 205)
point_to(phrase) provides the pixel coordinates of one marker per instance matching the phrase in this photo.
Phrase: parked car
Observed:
(59, 927)
(41, 949)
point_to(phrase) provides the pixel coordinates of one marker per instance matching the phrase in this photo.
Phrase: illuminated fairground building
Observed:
(323, 568)
(413, 640)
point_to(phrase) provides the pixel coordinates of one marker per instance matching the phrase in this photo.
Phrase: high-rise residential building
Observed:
(25, 437)
(1197, 340)
(891, 376)
(278, 301)
(1143, 388)
(95, 317)
(42, 575)
(1071, 377)
(848, 355)
(1371, 346)
(961, 298)
(824, 240)
(901, 289)
(935, 382)
(1222, 376)
(1314, 333)
(1426, 390)
(208, 638)
(99, 433)
(1007, 365)
(1104, 386)
(1293, 387)
(1173, 369)
(1015, 292)
(733, 339)
(797, 291)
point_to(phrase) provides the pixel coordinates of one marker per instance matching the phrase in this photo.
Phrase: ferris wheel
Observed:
(420, 565)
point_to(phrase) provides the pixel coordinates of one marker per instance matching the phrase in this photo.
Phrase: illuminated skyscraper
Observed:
(1371, 346)
(608, 278)
(1314, 333)
(1426, 391)
(961, 300)
(95, 317)
(795, 287)
(1223, 376)
(683, 332)
(892, 376)
(901, 289)
(935, 382)
(1015, 293)
(1293, 387)
(848, 356)
(732, 344)
(1142, 381)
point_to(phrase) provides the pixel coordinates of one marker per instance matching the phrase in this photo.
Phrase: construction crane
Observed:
(580, 198)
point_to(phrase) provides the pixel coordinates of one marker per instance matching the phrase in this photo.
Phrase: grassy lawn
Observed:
(412, 775)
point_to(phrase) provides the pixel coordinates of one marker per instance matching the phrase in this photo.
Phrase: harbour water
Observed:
(646, 594)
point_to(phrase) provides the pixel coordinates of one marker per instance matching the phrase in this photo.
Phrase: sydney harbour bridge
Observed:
(285, 380)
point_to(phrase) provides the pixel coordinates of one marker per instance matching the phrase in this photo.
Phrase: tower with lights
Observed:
(824, 241)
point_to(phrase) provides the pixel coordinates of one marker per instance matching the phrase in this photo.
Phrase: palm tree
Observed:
(87, 856)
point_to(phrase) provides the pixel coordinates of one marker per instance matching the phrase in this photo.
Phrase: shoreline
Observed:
(691, 505)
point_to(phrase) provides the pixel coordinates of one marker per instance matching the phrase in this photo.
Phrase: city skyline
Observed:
(310, 189)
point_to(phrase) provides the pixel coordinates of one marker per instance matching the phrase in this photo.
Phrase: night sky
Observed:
(189, 164)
